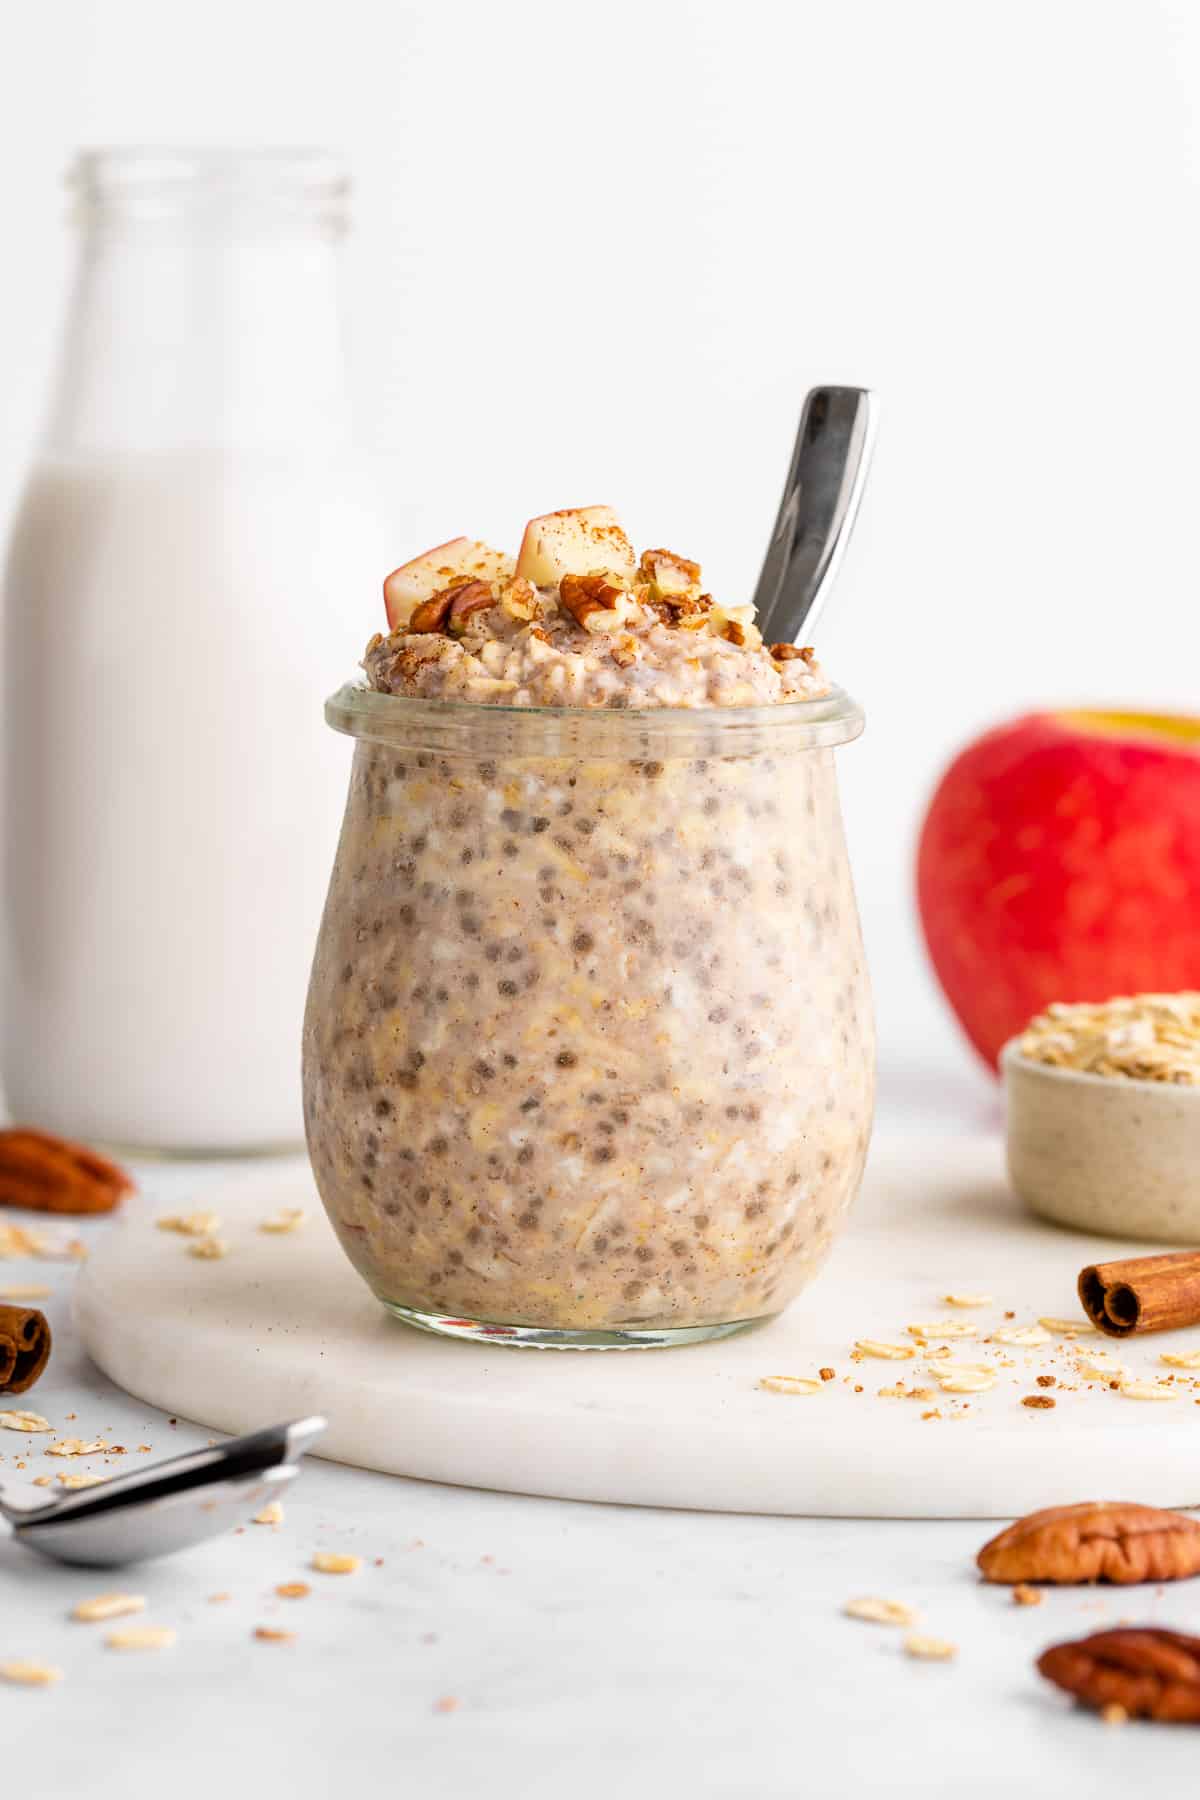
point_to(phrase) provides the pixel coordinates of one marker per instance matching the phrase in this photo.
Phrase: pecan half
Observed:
(792, 652)
(48, 1174)
(467, 599)
(1151, 1674)
(593, 601)
(1096, 1541)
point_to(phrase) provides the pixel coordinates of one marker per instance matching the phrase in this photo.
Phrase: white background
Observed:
(601, 250)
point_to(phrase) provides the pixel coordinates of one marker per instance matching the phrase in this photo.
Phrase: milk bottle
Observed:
(195, 549)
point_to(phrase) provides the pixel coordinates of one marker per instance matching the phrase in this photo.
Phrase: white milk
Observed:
(174, 621)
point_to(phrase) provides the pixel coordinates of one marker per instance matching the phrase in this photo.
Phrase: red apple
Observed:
(1060, 860)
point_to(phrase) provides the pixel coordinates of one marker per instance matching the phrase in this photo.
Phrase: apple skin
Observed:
(1060, 860)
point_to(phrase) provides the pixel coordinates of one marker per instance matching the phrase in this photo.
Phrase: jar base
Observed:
(554, 1337)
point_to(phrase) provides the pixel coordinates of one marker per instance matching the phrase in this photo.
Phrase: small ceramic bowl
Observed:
(1102, 1152)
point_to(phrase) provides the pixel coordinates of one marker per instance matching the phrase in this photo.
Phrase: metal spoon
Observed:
(816, 514)
(164, 1506)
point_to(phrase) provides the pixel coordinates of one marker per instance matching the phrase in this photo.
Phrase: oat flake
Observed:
(109, 1606)
(967, 1300)
(887, 1352)
(333, 1562)
(880, 1612)
(789, 1384)
(288, 1218)
(24, 1421)
(1181, 1359)
(271, 1514)
(1026, 1336)
(967, 1381)
(142, 1637)
(929, 1649)
(30, 1674)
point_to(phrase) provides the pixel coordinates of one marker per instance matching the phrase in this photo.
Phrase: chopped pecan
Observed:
(624, 654)
(1096, 1541)
(669, 573)
(593, 601)
(1150, 1673)
(520, 600)
(792, 652)
(471, 597)
(735, 632)
(48, 1174)
(431, 615)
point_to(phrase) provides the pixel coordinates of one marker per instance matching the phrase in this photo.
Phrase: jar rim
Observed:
(361, 712)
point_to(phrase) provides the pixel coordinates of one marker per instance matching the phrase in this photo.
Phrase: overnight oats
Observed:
(588, 1055)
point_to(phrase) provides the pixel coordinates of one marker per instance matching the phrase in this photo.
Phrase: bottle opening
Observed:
(223, 188)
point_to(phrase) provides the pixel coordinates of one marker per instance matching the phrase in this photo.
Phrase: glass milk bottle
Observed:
(194, 550)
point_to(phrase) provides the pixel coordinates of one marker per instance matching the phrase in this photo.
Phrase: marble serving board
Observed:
(282, 1327)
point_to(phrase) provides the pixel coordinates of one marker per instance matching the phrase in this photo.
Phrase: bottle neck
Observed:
(200, 319)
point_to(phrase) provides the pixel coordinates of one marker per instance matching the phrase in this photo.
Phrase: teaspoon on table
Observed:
(163, 1506)
(821, 496)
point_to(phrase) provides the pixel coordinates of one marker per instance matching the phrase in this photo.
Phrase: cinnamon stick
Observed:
(1143, 1293)
(24, 1347)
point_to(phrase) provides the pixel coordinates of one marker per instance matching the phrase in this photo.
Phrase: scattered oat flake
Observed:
(1027, 1336)
(880, 1612)
(269, 1634)
(447, 1704)
(929, 1649)
(109, 1606)
(209, 1249)
(1092, 1369)
(24, 1421)
(1146, 1390)
(1181, 1359)
(293, 1590)
(81, 1481)
(196, 1224)
(1070, 1327)
(288, 1218)
(43, 1481)
(271, 1514)
(142, 1637)
(1114, 1714)
(76, 1447)
(944, 1328)
(334, 1562)
(789, 1384)
(967, 1381)
(218, 1599)
(30, 1674)
(967, 1300)
(887, 1352)
(1024, 1595)
(31, 1291)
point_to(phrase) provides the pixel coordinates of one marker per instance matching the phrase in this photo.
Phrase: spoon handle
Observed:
(816, 514)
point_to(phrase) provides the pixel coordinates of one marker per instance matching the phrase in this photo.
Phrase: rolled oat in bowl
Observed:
(588, 1056)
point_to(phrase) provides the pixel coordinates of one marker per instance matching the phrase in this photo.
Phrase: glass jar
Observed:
(588, 1052)
(194, 531)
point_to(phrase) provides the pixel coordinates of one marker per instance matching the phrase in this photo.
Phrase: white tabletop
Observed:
(539, 1648)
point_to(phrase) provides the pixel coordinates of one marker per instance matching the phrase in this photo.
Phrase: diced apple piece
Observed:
(417, 581)
(584, 540)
